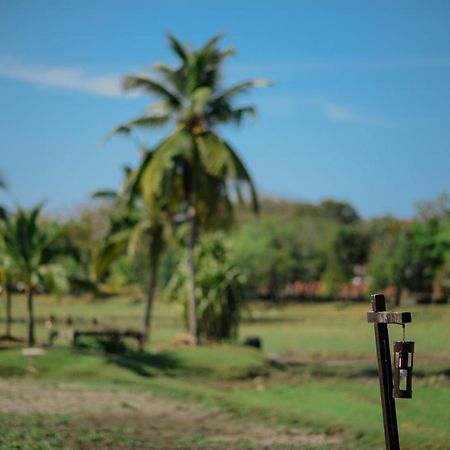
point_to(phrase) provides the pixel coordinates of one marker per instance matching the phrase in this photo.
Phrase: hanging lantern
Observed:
(403, 366)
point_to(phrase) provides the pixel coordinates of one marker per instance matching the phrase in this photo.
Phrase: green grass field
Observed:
(317, 372)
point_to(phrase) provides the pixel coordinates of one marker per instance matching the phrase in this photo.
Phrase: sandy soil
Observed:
(143, 420)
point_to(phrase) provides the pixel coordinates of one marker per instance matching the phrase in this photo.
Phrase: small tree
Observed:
(220, 288)
(349, 247)
(6, 285)
(30, 246)
(410, 259)
(6, 269)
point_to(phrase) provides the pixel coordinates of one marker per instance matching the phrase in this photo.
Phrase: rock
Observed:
(253, 341)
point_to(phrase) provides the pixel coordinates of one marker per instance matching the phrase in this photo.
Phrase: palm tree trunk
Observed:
(155, 249)
(150, 296)
(30, 318)
(192, 304)
(8, 311)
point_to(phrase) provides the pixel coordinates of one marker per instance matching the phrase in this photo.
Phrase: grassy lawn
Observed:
(324, 379)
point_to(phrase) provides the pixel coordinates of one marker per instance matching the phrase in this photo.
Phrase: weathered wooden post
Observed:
(381, 318)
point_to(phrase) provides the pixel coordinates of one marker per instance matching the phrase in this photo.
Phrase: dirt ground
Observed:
(81, 418)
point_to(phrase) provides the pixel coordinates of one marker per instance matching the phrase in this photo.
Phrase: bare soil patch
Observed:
(86, 419)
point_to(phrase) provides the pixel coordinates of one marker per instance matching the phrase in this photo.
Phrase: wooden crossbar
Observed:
(399, 318)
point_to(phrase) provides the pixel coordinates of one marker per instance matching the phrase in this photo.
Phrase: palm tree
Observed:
(193, 171)
(131, 224)
(5, 269)
(6, 284)
(30, 247)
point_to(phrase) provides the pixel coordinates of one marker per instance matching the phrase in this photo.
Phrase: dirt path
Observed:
(125, 420)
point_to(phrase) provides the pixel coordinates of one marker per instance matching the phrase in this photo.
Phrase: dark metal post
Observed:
(385, 376)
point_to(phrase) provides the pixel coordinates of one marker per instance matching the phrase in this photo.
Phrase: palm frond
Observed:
(114, 246)
(150, 85)
(3, 213)
(173, 77)
(243, 175)
(154, 121)
(132, 183)
(238, 114)
(52, 276)
(105, 194)
(211, 43)
(220, 160)
(224, 113)
(240, 88)
(178, 47)
(229, 51)
(162, 164)
(200, 97)
(3, 184)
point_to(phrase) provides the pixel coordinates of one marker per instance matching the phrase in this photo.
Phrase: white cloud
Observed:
(284, 105)
(343, 113)
(108, 85)
(73, 79)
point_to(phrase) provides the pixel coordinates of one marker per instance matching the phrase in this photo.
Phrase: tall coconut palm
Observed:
(193, 171)
(30, 247)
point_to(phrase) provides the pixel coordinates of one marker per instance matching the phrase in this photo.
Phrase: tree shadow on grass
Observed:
(9, 342)
(147, 364)
(117, 351)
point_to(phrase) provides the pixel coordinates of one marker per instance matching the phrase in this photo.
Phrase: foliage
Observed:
(271, 255)
(443, 248)
(219, 286)
(414, 256)
(337, 211)
(349, 247)
(31, 249)
(131, 229)
(193, 166)
(298, 244)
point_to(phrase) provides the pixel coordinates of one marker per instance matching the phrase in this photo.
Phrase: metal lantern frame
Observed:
(403, 368)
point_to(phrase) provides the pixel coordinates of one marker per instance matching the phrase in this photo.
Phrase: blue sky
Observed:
(360, 109)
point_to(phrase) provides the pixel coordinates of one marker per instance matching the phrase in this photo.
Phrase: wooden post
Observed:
(385, 376)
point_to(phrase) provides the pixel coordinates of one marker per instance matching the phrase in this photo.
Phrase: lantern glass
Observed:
(403, 366)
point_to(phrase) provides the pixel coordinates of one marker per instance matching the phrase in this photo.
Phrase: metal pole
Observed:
(385, 376)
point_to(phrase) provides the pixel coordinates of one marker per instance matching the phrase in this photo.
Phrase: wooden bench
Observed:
(75, 335)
